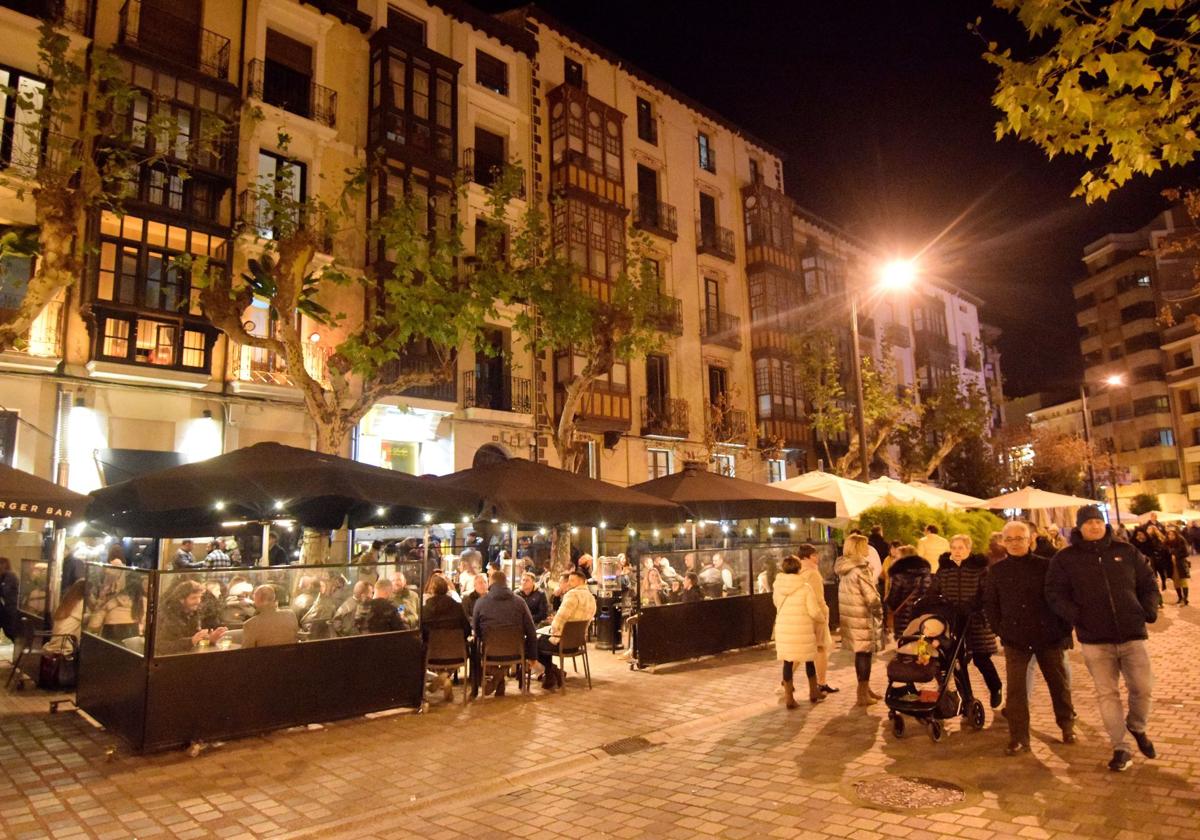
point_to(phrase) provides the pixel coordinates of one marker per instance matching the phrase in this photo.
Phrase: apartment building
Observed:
(1125, 363)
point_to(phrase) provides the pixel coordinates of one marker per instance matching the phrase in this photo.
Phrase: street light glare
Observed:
(898, 274)
(1115, 379)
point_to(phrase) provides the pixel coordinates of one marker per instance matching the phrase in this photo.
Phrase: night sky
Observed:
(883, 111)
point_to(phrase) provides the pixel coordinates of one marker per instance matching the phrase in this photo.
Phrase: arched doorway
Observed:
(489, 453)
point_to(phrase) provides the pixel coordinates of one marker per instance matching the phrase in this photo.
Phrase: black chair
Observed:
(503, 647)
(27, 651)
(572, 644)
(446, 653)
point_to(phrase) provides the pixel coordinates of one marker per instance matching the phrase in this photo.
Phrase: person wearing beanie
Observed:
(1107, 591)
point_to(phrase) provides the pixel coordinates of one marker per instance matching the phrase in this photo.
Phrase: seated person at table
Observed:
(584, 564)
(500, 608)
(272, 626)
(179, 625)
(238, 605)
(534, 598)
(443, 612)
(120, 616)
(479, 588)
(353, 611)
(452, 592)
(381, 615)
(711, 580)
(319, 616)
(468, 568)
(578, 605)
(406, 599)
(726, 574)
(307, 590)
(667, 571)
(691, 589)
(557, 595)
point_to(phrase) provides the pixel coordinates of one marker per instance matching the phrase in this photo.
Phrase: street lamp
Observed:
(1113, 380)
(895, 275)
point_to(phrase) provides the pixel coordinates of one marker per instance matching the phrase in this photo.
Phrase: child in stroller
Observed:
(927, 679)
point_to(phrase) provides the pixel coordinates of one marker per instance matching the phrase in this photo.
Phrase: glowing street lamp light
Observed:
(1116, 380)
(898, 274)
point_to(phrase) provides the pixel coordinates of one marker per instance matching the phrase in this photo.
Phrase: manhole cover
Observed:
(626, 746)
(908, 792)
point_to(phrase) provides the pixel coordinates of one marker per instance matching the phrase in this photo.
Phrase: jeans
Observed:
(1052, 664)
(1107, 664)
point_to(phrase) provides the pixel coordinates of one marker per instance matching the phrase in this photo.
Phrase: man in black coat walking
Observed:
(1015, 603)
(1107, 591)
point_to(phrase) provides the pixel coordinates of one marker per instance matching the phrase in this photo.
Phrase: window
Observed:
(776, 470)
(489, 157)
(286, 179)
(755, 171)
(707, 159)
(406, 25)
(589, 464)
(1183, 359)
(417, 102)
(1151, 405)
(21, 130)
(8, 437)
(287, 74)
(1145, 341)
(724, 465)
(1146, 373)
(1142, 309)
(708, 217)
(491, 73)
(718, 388)
(1157, 437)
(14, 278)
(1115, 352)
(1133, 281)
(594, 240)
(647, 125)
(573, 73)
(659, 462)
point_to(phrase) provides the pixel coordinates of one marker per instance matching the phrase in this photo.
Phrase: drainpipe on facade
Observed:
(65, 400)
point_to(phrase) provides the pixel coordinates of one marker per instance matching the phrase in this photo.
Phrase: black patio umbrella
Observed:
(22, 494)
(530, 494)
(270, 481)
(708, 495)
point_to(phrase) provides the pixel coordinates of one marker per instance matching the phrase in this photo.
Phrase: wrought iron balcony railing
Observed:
(655, 216)
(268, 221)
(665, 417)
(508, 393)
(718, 241)
(154, 30)
(718, 327)
(313, 101)
(728, 425)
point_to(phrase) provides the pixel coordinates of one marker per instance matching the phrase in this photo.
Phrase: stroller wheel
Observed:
(936, 730)
(897, 725)
(975, 715)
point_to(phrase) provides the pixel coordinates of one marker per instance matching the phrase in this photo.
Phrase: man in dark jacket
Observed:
(500, 608)
(1015, 602)
(380, 614)
(1107, 591)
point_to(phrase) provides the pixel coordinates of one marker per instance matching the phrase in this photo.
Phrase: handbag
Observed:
(58, 670)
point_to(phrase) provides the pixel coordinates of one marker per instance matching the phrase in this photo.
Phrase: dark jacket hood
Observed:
(973, 561)
(913, 565)
(1077, 538)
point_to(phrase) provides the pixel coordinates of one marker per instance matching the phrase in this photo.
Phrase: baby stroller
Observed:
(928, 679)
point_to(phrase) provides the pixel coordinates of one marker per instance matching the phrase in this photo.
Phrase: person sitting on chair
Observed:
(500, 608)
(578, 604)
(534, 598)
(271, 626)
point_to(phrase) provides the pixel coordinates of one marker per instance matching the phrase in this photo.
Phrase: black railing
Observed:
(161, 33)
(503, 393)
(312, 101)
(443, 390)
(711, 239)
(484, 170)
(665, 417)
(897, 335)
(718, 327)
(72, 13)
(256, 213)
(655, 216)
(728, 425)
(666, 313)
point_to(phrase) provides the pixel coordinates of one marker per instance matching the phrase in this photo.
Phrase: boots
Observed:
(789, 695)
(865, 697)
(815, 695)
(873, 694)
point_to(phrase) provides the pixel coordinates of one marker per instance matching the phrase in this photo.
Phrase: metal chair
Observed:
(572, 644)
(27, 652)
(502, 647)
(446, 653)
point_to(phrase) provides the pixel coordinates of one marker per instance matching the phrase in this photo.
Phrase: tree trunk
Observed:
(56, 271)
(560, 551)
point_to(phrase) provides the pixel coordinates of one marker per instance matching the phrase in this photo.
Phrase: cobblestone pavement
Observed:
(714, 754)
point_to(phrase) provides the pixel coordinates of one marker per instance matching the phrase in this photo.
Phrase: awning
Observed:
(117, 465)
(708, 495)
(22, 494)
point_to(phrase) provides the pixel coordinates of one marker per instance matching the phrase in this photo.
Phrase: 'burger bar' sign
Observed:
(9, 508)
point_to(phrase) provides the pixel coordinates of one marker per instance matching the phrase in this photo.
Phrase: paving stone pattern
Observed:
(725, 759)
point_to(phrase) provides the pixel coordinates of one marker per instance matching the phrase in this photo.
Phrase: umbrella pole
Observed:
(693, 535)
(513, 558)
(54, 576)
(264, 559)
(425, 564)
(595, 544)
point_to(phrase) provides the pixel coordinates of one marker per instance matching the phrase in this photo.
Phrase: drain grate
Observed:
(626, 746)
(908, 792)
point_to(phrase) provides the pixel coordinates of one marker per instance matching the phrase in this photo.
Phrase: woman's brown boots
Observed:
(865, 697)
(814, 690)
(789, 695)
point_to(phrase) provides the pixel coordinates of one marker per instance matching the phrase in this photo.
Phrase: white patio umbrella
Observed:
(1031, 498)
(919, 493)
(1162, 517)
(961, 499)
(851, 497)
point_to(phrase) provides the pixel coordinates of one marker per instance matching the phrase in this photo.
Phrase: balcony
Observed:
(485, 170)
(157, 32)
(729, 425)
(71, 13)
(720, 328)
(666, 313)
(41, 348)
(972, 361)
(256, 214)
(260, 366)
(718, 241)
(897, 335)
(312, 101)
(664, 417)
(508, 393)
(654, 216)
(442, 391)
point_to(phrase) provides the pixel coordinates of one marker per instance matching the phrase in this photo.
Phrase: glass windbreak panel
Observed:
(34, 577)
(683, 576)
(208, 610)
(116, 605)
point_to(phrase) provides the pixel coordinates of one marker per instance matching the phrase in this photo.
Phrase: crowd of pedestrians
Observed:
(1031, 593)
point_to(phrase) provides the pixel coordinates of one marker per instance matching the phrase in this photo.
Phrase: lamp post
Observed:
(897, 274)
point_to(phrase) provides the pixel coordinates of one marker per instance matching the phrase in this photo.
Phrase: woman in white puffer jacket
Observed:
(800, 627)
(860, 612)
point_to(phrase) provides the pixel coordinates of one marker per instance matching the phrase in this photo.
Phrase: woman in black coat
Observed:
(959, 579)
(10, 595)
(911, 577)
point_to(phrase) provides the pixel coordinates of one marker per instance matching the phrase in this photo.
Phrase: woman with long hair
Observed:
(860, 612)
(121, 615)
(68, 619)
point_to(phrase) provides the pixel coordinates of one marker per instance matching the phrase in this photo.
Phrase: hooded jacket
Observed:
(501, 607)
(799, 617)
(1104, 588)
(860, 610)
(1015, 603)
(962, 585)
(911, 577)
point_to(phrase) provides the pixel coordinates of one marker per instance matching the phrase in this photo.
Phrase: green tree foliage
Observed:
(974, 468)
(956, 412)
(1143, 503)
(907, 522)
(1115, 82)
